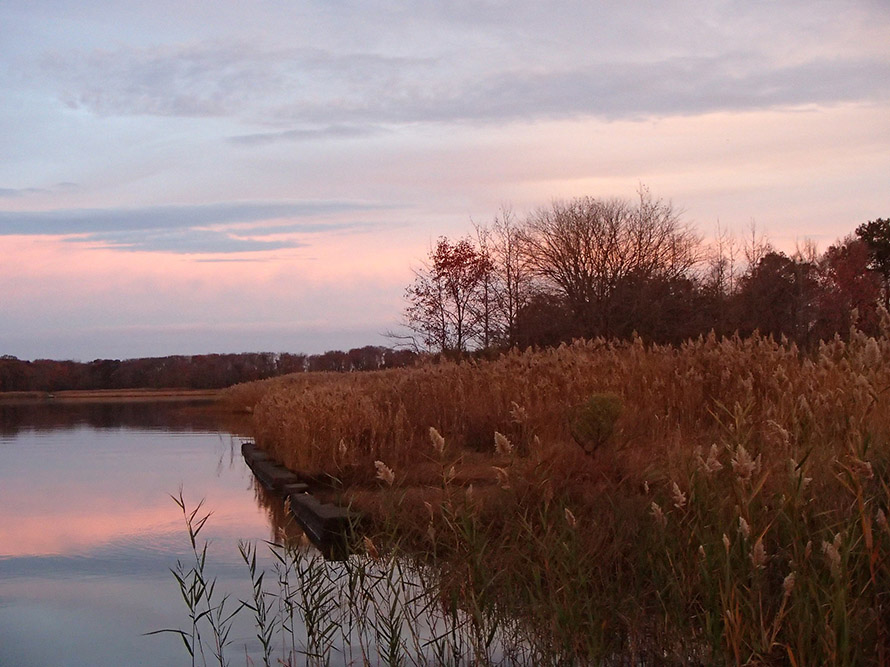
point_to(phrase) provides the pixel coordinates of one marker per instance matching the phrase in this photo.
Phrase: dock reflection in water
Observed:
(285, 529)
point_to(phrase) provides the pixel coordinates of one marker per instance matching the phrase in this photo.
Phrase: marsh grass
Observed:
(209, 612)
(736, 514)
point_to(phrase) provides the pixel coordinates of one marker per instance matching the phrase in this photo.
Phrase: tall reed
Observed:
(736, 512)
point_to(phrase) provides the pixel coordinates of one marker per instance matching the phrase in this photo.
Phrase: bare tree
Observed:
(586, 248)
(511, 275)
(722, 268)
(756, 247)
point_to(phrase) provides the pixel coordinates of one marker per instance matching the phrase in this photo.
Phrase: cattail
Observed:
(438, 441)
(343, 449)
(502, 445)
(384, 472)
(726, 542)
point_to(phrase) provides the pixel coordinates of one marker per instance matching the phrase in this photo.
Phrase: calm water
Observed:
(88, 531)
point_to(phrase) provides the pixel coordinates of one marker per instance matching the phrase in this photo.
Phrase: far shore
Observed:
(111, 396)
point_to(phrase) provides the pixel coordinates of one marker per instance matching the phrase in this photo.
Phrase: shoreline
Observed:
(110, 396)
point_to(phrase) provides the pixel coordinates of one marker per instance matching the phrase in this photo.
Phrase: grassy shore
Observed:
(724, 502)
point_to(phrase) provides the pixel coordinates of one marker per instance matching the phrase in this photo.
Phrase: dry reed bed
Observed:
(737, 515)
(674, 399)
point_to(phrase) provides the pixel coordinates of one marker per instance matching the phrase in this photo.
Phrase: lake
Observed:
(89, 532)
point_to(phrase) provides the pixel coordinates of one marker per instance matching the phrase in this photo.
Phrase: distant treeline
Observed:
(204, 371)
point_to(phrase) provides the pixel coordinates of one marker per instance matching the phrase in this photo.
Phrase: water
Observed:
(88, 531)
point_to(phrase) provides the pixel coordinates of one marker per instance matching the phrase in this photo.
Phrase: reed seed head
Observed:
(743, 465)
(678, 497)
(503, 477)
(437, 440)
(384, 473)
(658, 514)
(881, 519)
(788, 584)
(744, 528)
(862, 468)
(570, 518)
(758, 554)
(502, 444)
(832, 551)
(371, 548)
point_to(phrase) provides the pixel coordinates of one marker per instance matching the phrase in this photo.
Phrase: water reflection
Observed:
(184, 415)
(285, 529)
(88, 531)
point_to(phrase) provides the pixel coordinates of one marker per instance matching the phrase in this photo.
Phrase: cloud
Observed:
(345, 95)
(85, 221)
(210, 79)
(341, 131)
(230, 227)
(676, 86)
(187, 241)
(19, 192)
(621, 91)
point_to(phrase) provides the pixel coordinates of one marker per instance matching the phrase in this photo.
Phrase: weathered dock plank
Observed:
(330, 527)
(324, 522)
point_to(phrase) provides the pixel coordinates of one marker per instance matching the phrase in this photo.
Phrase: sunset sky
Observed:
(193, 177)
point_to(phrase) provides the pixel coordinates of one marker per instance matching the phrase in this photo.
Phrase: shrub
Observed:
(593, 422)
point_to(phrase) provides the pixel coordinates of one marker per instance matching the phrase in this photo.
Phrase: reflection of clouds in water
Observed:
(89, 533)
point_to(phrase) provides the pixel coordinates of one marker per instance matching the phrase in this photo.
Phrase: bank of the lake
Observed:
(112, 396)
(721, 502)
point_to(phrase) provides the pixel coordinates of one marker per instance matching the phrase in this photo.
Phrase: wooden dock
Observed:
(330, 527)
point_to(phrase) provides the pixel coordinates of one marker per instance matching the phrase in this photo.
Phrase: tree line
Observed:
(613, 268)
(206, 371)
(581, 268)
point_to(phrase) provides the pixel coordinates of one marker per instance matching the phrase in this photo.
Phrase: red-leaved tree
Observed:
(447, 304)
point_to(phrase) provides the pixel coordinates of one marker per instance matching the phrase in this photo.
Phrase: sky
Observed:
(195, 177)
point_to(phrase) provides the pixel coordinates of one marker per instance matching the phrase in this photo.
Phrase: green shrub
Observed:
(592, 423)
